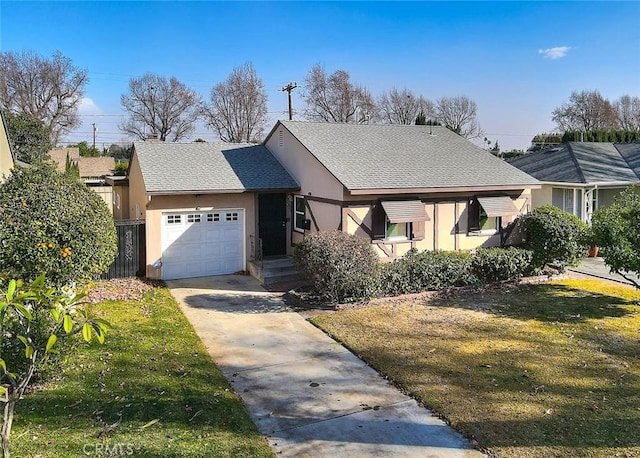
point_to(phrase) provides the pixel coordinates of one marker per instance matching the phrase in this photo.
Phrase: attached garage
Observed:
(199, 244)
(199, 202)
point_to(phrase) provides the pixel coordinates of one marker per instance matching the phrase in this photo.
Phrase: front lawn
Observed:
(155, 374)
(531, 371)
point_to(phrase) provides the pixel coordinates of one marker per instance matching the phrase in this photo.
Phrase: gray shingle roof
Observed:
(403, 157)
(584, 162)
(210, 167)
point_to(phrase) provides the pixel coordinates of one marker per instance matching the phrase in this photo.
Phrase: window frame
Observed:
(477, 229)
(302, 213)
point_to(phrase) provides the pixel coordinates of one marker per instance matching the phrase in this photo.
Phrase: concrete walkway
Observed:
(307, 394)
(595, 267)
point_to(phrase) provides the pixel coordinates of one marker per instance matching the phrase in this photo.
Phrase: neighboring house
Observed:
(6, 155)
(208, 207)
(120, 196)
(201, 203)
(59, 156)
(93, 171)
(580, 177)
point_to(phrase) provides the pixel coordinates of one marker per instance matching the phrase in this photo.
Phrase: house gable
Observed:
(6, 156)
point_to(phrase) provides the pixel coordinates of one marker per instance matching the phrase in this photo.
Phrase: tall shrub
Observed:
(341, 267)
(55, 225)
(555, 237)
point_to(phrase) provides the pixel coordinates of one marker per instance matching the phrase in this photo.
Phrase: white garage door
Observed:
(197, 244)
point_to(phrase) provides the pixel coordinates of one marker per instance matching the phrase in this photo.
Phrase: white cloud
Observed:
(555, 53)
(88, 106)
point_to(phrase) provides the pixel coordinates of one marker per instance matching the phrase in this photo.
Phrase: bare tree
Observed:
(48, 89)
(238, 106)
(334, 98)
(586, 111)
(459, 114)
(628, 110)
(160, 106)
(403, 107)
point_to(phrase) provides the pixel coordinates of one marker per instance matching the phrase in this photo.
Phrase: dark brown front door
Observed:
(272, 223)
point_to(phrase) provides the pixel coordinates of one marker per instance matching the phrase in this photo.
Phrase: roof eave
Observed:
(593, 183)
(219, 191)
(173, 192)
(443, 189)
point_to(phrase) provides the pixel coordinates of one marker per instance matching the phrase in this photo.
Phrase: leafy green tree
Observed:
(34, 320)
(121, 169)
(86, 150)
(29, 137)
(53, 224)
(616, 231)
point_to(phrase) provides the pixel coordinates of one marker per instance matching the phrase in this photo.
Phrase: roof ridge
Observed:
(572, 155)
(624, 159)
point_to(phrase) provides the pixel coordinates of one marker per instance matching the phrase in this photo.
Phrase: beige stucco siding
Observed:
(121, 211)
(137, 192)
(446, 228)
(542, 196)
(6, 160)
(160, 204)
(106, 194)
(313, 178)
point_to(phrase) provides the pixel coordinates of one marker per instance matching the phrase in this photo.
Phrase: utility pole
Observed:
(94, 135)
(288, 88)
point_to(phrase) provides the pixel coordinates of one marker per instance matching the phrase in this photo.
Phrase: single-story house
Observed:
(210, 207)
(201, 203)
(6, 155)
(402, 187)
(580, 177)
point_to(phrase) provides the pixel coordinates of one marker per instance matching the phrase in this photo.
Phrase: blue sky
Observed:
(492, 52)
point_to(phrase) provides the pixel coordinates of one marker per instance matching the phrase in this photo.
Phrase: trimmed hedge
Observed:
(426, 271)
(345, 268)
(340, 267)
(498, 264)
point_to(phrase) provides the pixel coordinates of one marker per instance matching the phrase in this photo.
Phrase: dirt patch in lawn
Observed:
(120, 289)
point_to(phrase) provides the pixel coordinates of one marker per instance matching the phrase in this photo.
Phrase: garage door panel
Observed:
(201, 244)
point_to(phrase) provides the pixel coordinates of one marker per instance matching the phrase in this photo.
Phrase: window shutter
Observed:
(418, 230)
(378, 218)
(473, 212)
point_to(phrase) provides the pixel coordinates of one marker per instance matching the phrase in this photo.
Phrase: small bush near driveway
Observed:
(536, 371)
(341, 267)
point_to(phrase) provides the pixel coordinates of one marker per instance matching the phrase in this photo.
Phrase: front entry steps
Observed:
(274, 270)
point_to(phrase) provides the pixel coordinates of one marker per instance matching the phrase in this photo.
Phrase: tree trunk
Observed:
(7, 420)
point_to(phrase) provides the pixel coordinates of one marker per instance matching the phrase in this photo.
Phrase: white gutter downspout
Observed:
(586, 204)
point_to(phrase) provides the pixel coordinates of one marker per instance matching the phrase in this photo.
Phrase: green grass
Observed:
(156, 373)
(535, 371)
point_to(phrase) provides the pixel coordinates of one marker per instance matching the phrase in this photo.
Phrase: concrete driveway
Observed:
(307, 394)
(595, 267)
